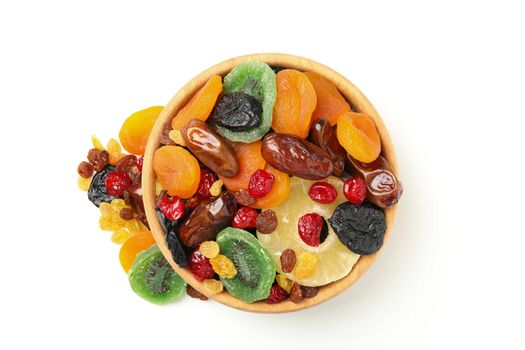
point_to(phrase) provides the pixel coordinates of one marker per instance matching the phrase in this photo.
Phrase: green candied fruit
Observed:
(258, 80)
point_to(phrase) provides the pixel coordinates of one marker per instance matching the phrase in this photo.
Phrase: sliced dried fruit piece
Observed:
(279, 191)
(177, 171)
(135, 131)
(330, 102)
(335, 259)
(200, 105)
(306, 265)
(255, 267)
(250, 159)
(258, 80)
(153, 279)
(358, 135)
(133, 246)
(294, 104)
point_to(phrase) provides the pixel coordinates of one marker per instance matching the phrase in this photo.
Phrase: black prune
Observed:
(277, 69)
(171, 229)
(359, 227)
(97, 189)
(238, 112)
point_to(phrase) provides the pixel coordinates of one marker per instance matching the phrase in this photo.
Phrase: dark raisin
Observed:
(238, 112)
(296, 294)
(309, 292)
(126, 214)
(165, 136)
(194, 293)
(99, 159)
(243, 197)
(126, 163)
(97, 189)
(359, 227)
(287, 260)
(85, 169)
(266, 222)
(171, 228)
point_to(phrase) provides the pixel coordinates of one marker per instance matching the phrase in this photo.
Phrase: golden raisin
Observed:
(212, 286)
(223, 266)
(96, 143)
(209, 249)
(83, 183)
(284, 282)
(216, 188)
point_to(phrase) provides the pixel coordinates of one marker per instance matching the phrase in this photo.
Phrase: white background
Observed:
(447, 78)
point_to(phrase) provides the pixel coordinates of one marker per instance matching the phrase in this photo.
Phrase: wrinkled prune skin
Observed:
(210, 148)
(208, 218)
(172, 240)
(97, 189)
(361, 228)
(296, 156)
(277, 69)
(323, 135)
(238, 111)
(383, 188)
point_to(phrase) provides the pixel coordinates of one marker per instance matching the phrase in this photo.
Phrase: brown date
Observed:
(384, 189)
(323, 135)
(296, 156)
(210, 148)
(208, 218)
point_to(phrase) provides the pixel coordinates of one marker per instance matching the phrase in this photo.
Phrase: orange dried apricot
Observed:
(294, 104)
(177, 171)
(132, 246)
(250, 159)
(358, 135)
(330, 103)
(279, 191)
(135, 131)
(201, 104)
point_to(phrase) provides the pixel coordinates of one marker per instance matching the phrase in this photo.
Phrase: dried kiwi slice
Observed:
(255, 266)
(153, 279)
(258, 80)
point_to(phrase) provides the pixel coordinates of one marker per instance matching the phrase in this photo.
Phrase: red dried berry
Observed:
(245, 217)
(277, 295)
(354, 189)
(172, 207)
(200, 266)
(310, 227)
(207, 179)
(140, 161)
(322, 192)
(260, 183)
(116, 182)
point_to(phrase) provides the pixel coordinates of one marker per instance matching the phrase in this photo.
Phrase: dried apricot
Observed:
(250, 159)
(177, 171)
(279, 191)
(330, 102)
(201, 104)
(132, 246)
(358, 135)
(135, 131)
(295, 102)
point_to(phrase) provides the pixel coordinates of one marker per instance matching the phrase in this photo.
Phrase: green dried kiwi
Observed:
(153, 279)
(258, 80)
(255, 266)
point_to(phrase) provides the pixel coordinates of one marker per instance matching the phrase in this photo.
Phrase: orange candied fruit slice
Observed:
(201, 104)
(132, 246)
(330, 103)
(279, 191)
(250, 159)
(135, 131)
(358, 135)
(177, 171)
(294, 104)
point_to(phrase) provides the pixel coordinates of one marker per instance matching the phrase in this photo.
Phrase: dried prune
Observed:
(171, 229)
(361, 228)
(97, 192)
(296, 156)
(238, 112)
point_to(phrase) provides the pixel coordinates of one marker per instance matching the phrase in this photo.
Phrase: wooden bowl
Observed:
(358, 102)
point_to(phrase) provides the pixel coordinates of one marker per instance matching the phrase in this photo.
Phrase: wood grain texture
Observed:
(359, 103)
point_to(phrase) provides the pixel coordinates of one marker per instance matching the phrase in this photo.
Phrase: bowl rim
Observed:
(358, 102)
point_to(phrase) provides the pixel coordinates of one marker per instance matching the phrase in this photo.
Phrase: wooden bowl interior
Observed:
(358, 102)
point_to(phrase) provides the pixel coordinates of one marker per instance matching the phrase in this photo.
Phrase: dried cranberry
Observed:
(310, 227)
(322, 192)
(116, 182)
(172, 207)
(207, 179)
(245, 217)
(140, 161)
(260, 183)
(277, 295)
(200, 266)
(354, 189)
